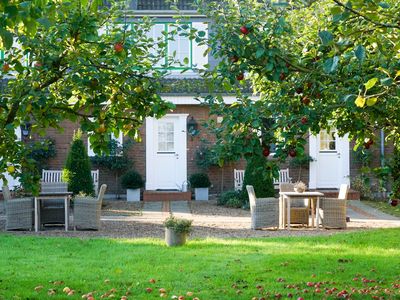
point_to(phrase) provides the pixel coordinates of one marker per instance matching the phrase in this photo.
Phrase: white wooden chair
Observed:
(56, 176)
(283, 178)
(238, 179)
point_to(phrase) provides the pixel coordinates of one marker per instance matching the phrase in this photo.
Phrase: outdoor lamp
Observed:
(26, 129)
(192, 127)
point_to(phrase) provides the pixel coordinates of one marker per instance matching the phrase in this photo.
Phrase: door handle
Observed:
(177, 155)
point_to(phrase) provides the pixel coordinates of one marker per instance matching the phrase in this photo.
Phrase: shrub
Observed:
(132, 180)
(359, 184)
(257, 175)
(178, 225)
(231, 199)
(78, 167)
(199, 180)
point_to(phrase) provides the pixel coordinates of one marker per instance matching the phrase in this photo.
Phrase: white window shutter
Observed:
(199, 60)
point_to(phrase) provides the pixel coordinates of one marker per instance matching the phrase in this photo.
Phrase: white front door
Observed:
(166, 166)
(331, 163)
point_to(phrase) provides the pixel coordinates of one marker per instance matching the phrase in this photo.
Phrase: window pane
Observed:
(327, 140)
(166, 137)
(179, 48)
(156, 35)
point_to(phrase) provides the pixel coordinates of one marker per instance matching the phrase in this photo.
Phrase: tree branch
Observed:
(386, 25)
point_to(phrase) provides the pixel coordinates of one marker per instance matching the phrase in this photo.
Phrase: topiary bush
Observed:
(78, 168)
(199, 180)
(259, 176)
(132, 180)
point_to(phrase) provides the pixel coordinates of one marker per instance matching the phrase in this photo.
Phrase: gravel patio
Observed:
(121, 219)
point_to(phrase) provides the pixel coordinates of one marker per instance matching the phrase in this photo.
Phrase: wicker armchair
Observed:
(264, 211)
(53, 211)
(334, 209)
(87, 210)
(18, 211)
(334, 213)
(299, 210)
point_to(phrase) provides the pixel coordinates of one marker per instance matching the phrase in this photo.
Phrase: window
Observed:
(178, 47)
(327, 140)
(119, 140)
(165, 137)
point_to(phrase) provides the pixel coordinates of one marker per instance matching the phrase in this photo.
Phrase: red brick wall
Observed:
(221, 178)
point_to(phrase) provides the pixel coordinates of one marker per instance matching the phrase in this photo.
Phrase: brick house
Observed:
(166, 156)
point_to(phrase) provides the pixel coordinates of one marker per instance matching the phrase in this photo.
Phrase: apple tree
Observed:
(77, 61)
(312, 64)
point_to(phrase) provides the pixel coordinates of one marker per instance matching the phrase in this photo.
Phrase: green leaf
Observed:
(372, 101)
(387, 81)
(260, 52)
(331, 64)
(44, 22)
(360, 101)
(360, 53)
(384, 5)
(371, 83)
(201, 33)
(6, 38)
(326, 37)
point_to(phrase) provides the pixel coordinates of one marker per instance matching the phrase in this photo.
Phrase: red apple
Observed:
(310, 284)
(149, 290)
(394, 202)
(366, 145)
(234, 59)
(309, 85)
(370, 141)
(282, 76)
(152, 280)
(292, 153)
(305, 100)
(266, 152)
(244, 30)
(6, 68)
(118, 47)
(289, 295)
(38, 64)
(299, 90)
(240, 77)
(304, 120)
(318, 95)
(300, 298)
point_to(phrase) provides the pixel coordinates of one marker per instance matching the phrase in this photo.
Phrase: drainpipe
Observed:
(382, 148)
(383, 159)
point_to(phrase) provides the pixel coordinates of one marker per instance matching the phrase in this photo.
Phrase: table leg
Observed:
(36, 215)
(288, 212)
(66, 212)
(312, 212)
(317, 212)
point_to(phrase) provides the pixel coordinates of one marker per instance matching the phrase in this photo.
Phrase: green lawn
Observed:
(210, 268)
(385, 207)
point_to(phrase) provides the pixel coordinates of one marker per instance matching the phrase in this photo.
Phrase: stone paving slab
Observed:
(179, 207)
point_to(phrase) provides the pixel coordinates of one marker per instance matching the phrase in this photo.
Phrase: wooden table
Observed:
(52, 196)
(289, 196)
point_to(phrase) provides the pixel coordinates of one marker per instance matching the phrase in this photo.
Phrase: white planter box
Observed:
(201, 194)
(133, 195)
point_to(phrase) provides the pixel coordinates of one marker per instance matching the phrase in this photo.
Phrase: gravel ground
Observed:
(129, 220)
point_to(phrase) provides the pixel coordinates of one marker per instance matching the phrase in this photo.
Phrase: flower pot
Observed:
(298, 190)
(201, 194)
(173, 238)
(133, 195)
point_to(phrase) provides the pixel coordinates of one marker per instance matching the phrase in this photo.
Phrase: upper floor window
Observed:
(186, 53)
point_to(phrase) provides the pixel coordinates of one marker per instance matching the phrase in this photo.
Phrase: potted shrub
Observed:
(176, 230)
(395, 194)
(200, 182)
(132, 181)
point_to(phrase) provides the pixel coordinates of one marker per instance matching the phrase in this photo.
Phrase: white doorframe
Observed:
(341, 165)
(151, 163)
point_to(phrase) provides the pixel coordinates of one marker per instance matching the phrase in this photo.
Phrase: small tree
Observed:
(78, 167)
(258, 174)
